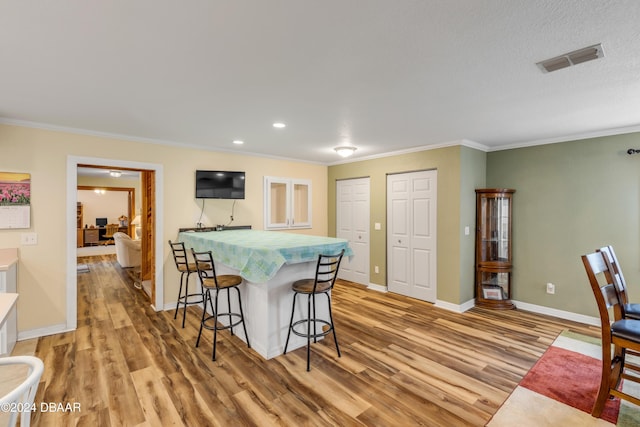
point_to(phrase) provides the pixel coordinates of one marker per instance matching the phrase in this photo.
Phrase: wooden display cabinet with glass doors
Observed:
(493, 248)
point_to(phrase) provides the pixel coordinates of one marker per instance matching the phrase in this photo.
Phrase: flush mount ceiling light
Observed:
(345, 150)
(115, 174)
(572, 58)
(238, 142)
(279, 125)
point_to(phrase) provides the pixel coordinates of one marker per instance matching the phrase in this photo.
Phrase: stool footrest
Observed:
(206, 322)
(185, 299)
(325, 328)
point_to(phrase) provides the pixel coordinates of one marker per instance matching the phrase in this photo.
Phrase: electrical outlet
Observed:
(376, 269)
(551, 288)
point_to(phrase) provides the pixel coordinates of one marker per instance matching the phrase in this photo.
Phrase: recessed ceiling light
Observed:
(238, 142)
(279, 125)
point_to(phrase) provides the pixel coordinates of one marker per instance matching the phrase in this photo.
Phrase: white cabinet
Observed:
(287, 203)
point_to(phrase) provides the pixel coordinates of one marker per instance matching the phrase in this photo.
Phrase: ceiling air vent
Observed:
(572, 58)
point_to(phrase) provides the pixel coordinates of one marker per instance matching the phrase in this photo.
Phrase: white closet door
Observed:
(411, 235)
(352, 223)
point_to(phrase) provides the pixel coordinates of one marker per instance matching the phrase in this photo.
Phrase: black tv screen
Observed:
(219, 185)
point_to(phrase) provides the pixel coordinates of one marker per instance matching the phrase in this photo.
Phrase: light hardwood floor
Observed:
(403, 363)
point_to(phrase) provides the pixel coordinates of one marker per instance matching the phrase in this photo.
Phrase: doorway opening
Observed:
(151, 220)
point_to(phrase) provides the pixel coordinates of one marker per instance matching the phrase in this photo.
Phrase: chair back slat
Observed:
(610, 295)
(205, 266)
(616, 272)
(179, 254)
(111, 229)
(599, 272)
(327, 269)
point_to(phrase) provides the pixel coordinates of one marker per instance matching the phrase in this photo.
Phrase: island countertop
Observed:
(258, 255)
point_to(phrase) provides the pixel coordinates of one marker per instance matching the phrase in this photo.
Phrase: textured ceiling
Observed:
(383, 75)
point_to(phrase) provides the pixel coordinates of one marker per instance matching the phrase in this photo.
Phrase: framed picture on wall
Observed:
(15, 200)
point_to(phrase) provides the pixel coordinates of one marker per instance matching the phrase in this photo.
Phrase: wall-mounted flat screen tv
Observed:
(219, 185)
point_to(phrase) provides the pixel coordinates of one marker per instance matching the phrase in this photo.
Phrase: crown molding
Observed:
(79, 131)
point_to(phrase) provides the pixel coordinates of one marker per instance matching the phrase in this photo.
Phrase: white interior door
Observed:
(411, 238)
(352, 223)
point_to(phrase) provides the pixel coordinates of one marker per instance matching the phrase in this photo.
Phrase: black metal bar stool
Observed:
(185, 268)
(322, 283)
(213, 283)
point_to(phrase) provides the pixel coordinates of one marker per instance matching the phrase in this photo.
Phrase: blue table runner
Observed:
(258, 255)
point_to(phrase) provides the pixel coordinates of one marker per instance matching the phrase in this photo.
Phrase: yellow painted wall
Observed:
(43, 153)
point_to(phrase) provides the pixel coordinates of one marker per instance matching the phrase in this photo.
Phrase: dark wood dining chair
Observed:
(629, 310)
(322, 283)
(213, 283)
(623, 334)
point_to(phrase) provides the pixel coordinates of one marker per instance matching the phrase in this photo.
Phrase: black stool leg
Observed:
(186, 297)
(175, 315)
(333, 328)
(215, 326)
(309, 329)
(244, 326)
(315, 331)
(293, 309)
(229, 305)
(207, 297)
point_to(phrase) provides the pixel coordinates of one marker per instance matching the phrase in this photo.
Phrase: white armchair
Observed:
(128, 251)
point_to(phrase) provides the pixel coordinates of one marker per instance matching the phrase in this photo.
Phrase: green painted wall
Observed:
(455, 282)
(570, 199)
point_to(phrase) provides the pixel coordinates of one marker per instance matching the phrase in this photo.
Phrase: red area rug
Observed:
(571, 378)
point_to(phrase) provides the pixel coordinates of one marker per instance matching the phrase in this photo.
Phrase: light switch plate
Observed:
(29, 239)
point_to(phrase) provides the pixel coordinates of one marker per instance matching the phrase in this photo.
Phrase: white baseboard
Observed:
(567, 315)
(379, 288)
(461, 308)
(43, 332)
(458, 308)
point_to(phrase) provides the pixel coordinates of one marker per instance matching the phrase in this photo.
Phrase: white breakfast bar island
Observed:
(269, 262)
